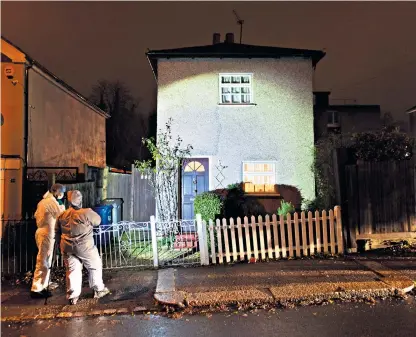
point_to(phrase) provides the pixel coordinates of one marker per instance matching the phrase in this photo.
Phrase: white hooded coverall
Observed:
(75, 227)
(46, 214)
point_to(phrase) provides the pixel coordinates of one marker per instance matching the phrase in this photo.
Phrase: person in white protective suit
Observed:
(48, 210)
(75, 230)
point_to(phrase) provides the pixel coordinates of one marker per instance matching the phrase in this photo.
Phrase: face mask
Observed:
(60, 196)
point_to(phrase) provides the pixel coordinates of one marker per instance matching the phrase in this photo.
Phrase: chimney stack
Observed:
(229, 38)
(216, 38)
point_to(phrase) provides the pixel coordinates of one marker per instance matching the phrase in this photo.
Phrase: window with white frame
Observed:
(333, 118)
(236, 89)
(259, 176)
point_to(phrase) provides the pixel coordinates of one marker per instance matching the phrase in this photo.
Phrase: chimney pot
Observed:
(216, 38)
(229, 38)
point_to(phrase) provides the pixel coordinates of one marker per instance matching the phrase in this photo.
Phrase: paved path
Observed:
(389, 318)
(281, 281)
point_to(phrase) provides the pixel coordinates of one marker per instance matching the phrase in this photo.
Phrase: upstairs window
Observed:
(236, 89)
(333, 119)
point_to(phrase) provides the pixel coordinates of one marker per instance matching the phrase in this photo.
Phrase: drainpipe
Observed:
(26, 135)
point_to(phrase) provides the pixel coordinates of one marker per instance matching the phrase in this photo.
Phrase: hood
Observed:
(48, 195)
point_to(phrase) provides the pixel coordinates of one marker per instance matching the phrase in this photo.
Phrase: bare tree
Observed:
(163, 170)
(125, 127)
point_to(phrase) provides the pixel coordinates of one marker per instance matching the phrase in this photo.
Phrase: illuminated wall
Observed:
(279, 127)
(62, 130)
(12, 141)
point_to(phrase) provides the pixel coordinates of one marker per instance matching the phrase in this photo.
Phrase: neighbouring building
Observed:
(47, 129)
(247, 111)
(343, 118)
(412, 121)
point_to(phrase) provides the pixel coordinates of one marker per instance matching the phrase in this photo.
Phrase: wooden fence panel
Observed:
(240, 239)
(212, 241)
(88, 190)
(218, 231)
(247, 233)
(324, 231)
(283, 235)
(276, 236)
(144, 202)
(119, 186)
(380, 198)
(318, 232)
(289, 234)
(311, 237)
(233, 242)
(269, 238)
(304, 235)
(254, 233)
(232, 248)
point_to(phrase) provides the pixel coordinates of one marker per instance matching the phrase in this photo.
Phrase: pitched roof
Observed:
(233, 50)
(411, 110)
(58, 80)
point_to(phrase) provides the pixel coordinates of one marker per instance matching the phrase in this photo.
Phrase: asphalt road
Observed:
(389, 318)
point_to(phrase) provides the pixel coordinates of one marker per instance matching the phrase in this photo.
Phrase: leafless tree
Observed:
(126, 126)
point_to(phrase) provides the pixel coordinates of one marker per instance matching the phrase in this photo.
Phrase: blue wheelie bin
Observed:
(106, 214)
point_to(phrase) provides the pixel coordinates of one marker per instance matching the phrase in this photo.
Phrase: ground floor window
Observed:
(259, 176)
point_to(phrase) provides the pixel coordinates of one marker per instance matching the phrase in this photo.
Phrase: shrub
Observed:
(285, 208)
(312, 205)
(208, 204)
(234, 186)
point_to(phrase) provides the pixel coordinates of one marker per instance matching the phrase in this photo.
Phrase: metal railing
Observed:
(125, 244)
(177, 243)
(18, 246)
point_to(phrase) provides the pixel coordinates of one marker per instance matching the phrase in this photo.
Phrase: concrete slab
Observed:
(165, 281)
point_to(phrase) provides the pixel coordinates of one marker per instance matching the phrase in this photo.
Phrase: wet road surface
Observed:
(388, 318)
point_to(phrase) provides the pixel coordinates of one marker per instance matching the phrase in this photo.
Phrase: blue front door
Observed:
(195, 176)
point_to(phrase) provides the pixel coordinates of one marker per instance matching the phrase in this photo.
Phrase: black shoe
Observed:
(40, 294)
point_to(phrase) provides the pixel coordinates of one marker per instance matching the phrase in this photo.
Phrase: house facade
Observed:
(47, 128)
(246, 110)
(343, 118)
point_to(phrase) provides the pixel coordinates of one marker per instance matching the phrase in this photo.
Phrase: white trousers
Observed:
(43, 260)
(88, 256)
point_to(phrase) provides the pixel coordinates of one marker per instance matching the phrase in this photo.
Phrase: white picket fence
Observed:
(296, 235)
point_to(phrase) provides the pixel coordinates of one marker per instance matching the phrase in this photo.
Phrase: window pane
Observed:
(245, 90)
(268, 167)
(235, 90)
(225, 90)
(248, 167)
(236, 98)
(226, 99)
(245, 98)
(235, 79)
(226, 79)
(258, 168)
(245, 79)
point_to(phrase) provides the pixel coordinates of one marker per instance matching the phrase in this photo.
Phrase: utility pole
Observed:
(241, 23)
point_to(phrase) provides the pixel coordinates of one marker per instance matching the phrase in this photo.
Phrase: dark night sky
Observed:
(371, 46)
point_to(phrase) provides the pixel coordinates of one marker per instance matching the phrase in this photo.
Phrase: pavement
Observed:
(132, 291)
(393, 318)
(141, 291)
(284, 281)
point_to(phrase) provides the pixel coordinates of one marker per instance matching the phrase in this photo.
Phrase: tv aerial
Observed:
(241, 23)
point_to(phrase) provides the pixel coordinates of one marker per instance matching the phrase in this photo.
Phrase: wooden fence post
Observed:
(154, 241)
(202, 238)
(340, 240)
